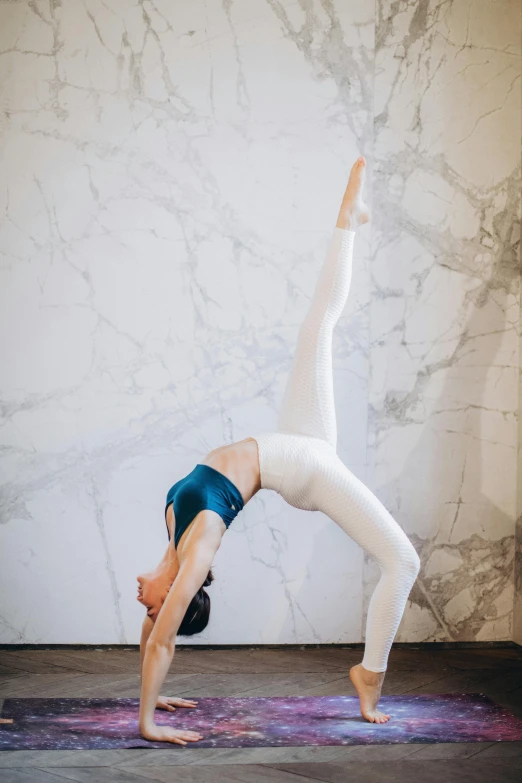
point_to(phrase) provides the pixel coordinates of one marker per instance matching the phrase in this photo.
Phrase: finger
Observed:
(170, 708)
(178, 741)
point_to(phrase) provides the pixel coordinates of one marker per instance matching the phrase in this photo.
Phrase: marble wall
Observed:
(444, 305)
(171, 175)
(517, 601)
(517, 604)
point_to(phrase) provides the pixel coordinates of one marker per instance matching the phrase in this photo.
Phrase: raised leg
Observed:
(308, 406)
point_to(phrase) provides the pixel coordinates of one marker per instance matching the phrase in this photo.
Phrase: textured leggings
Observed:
(300, 462)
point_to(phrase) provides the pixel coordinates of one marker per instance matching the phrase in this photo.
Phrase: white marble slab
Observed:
(171, 173)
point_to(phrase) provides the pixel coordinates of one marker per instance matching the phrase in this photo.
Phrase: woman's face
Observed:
(152, 591)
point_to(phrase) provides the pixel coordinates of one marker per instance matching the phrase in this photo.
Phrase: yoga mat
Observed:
(49, 724)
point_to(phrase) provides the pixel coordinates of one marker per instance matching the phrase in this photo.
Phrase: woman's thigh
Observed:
(339, 494)
(288, 464)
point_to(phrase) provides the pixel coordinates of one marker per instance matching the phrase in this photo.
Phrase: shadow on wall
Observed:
(464, 591)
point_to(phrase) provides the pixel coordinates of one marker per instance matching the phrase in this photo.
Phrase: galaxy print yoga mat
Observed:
(55, 724)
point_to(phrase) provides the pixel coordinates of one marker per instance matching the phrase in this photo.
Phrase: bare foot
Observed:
(368, 686)
(354, 212)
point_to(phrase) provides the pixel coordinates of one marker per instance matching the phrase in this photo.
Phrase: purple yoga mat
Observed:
(49, 724)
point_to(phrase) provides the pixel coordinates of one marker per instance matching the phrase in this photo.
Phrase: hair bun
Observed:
(209, 579)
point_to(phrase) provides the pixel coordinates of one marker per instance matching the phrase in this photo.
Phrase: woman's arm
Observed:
(169, 703)
(146, 630)
(160, 645)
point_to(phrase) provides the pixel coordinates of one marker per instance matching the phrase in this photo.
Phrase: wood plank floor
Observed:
(266, 672)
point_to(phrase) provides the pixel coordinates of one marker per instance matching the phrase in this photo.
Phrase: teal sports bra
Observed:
(205, 488)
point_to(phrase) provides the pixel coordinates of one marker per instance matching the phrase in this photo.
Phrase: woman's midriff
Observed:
(239, 462)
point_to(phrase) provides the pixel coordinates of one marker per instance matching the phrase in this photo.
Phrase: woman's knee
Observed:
(410, 562)
(402, 562)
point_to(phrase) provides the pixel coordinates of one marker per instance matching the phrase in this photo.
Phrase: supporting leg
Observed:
(337, 492)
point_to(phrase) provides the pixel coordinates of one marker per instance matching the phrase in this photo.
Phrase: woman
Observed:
(300, 462)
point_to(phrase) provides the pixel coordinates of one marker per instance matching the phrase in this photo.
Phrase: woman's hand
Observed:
(167, 734)
(171, 702)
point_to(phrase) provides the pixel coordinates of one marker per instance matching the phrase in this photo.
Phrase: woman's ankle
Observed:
(370, 677)
(347, 220)
(353, 217)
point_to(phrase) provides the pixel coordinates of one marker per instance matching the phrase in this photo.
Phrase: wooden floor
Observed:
(266, 672)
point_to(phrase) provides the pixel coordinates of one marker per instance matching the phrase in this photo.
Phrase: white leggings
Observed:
(300, 462)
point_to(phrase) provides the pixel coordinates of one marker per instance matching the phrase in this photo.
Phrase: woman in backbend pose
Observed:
(300, 462)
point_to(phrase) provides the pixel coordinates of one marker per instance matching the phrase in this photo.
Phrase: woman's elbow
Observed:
(161, 644)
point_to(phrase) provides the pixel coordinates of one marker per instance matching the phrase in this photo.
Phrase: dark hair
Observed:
(198, 611)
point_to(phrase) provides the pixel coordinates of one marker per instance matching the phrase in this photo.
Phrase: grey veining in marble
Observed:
(445, 305)
(171, 173)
